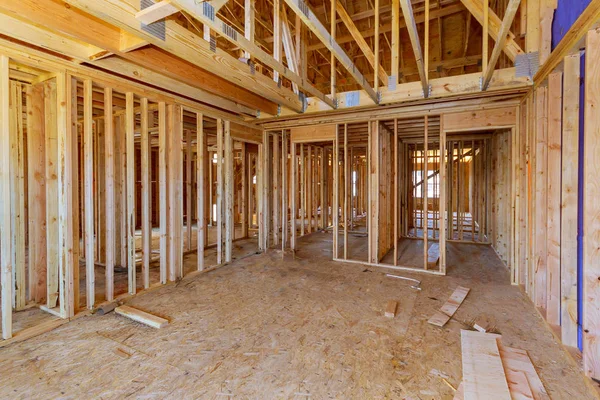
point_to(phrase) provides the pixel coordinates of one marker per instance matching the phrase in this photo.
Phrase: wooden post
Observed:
(309, 182)
(36, 192)
(442, 216)
(346, 166)
(229, 225)
(65, 120)
(541, 210)
(219, 194)
(302, 190)
(17, 193)
(110, 192)
(396, 192)
(336, 191)
(284, 189)
(591, 226)
(424, 187)
(6, 249)
(276, 189)
(52, 189)
(188, 186)
(175, 169)
(294, 170)
(88, 156)
(130, 163)
(553, 176)
(162, 178)
(200, 160)
(570, 182)
(244, 197)
(146, 196)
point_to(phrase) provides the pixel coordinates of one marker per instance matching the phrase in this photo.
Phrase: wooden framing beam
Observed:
(249, 23)
(395, 40)
(509, 16)
(155, 12)
(6, 249)
(411, 26)
(188, 46)
(88, 171)
(229, 183)
(146, 162)
(229, 33)
(200, 179)
(162, 183)
(312, 22)
(569, 206)
(56, 17)
(476, 9)
(109, 149)
(361, 42)
(130, 178)
(591, 240)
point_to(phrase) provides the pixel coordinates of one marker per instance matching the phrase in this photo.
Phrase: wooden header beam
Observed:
(312, 22)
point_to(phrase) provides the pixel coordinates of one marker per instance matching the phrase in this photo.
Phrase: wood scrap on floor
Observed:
(483, 373)
(449, 308)
(482, 377)
(142, 316)
(390, 310)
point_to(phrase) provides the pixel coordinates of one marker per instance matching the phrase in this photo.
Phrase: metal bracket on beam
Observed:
(378, 97)
(427, 93)
(481, 83)
(278, 110)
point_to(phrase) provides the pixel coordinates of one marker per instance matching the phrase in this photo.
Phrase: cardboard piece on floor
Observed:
(390, 310)
(449, 308)
(141, 316)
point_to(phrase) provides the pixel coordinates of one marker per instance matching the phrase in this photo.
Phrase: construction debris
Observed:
(492, 371)
(142, 316)
(390, 310)
(449, 308)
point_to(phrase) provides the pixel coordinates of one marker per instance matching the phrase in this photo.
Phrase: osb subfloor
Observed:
(265, 328)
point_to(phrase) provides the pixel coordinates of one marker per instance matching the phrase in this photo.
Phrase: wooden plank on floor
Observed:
(450, 306)
(142, 316)
(518, 360)
(483, 373)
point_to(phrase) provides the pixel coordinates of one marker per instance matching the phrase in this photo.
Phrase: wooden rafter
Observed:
(229, 33)
(476, 8)
(416, 45)
(511, 11)
(360, 41)
(313, 23)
